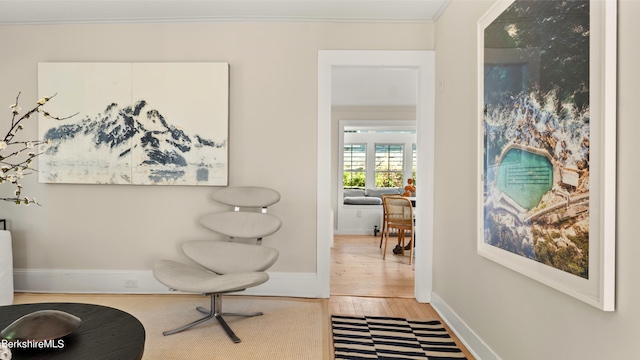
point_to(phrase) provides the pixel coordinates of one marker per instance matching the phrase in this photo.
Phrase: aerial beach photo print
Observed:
(536, 133)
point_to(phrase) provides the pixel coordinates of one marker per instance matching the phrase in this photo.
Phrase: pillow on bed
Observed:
(362, 200)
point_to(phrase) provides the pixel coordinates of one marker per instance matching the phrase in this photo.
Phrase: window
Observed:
(355, 159)
(389, 160)
(376, 154)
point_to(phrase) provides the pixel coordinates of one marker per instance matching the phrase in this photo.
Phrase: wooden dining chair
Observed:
(399, 215)
(384, 217)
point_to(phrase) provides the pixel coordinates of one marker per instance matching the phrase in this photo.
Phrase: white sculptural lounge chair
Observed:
(226, 267)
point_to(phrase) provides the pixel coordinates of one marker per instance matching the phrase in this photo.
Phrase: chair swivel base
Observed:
(216, 306)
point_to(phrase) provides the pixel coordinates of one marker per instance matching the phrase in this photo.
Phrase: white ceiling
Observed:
(351, 86)
(70, 11)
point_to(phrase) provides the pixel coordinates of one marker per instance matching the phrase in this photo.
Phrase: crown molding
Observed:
(28, 12)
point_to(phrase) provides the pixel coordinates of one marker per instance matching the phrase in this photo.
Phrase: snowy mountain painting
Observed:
(139, 123)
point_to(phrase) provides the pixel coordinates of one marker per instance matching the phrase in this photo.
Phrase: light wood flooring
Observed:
(357, 268)
(364, 284)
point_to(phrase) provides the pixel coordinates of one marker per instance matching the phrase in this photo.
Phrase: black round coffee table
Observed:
(104, 333)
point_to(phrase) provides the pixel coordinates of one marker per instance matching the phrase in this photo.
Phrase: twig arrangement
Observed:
(16, 156)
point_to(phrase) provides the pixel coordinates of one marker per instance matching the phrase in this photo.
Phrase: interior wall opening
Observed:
(374, 112)
(423, 62)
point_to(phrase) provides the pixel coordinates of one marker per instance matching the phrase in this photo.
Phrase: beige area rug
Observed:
(290, 328)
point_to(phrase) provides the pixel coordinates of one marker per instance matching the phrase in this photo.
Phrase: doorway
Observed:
(423, 62)
(379, 152)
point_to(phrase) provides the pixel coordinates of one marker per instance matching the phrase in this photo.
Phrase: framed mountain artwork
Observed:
(547, 143)
(137, 123)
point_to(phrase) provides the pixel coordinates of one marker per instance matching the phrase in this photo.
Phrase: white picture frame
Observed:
(529, 155)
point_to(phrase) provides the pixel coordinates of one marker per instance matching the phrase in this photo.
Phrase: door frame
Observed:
(424, 62)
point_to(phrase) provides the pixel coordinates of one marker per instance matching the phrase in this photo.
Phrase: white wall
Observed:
(517, 317)
(273, 96)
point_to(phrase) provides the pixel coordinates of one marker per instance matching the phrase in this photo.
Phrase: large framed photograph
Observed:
(137, 123)
(547, 143)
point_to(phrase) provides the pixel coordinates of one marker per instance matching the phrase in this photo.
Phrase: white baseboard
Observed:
(473, 343)
(354, 232)
(304, 285)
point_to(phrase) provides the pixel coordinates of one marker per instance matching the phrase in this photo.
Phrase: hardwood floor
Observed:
(357, 268)
(364, 284)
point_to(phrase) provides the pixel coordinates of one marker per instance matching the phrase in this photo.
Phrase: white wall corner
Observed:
(470, 339)
(303, 285)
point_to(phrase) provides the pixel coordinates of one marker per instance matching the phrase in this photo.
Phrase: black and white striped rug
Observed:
(386, 338)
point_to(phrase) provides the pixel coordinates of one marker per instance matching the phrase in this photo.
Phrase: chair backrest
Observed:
(384, 210)
(241, 224)
(254, 257)
(247, 196)
(244, 224)
(398, 210)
